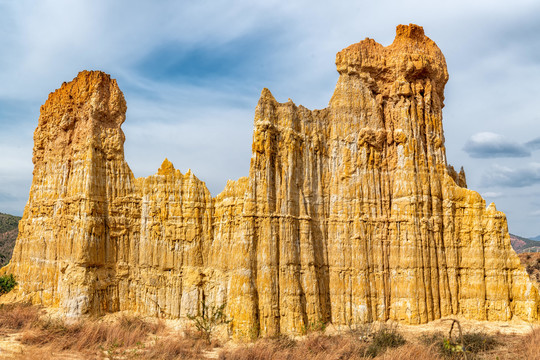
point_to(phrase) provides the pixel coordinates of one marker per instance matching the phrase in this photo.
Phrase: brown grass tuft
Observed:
(15, 317)
(410, 352)
(529, 348)
(314, 346)
(177, 347)
(89, 335)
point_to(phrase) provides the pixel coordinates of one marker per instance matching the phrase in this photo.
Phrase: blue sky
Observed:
(192, 73)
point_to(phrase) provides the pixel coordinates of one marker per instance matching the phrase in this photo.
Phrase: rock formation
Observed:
(349, 214)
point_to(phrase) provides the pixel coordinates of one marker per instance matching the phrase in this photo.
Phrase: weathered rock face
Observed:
(349, 214)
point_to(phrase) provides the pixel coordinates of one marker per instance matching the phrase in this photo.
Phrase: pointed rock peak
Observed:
(90, 95)
(462, 178)
(266, 96)
(92, 91)
(191, 176)
(411, 31)
(86, 84)
(411, 57)
(166, 168)
(73, 114)
(411, 39)
(93, 76)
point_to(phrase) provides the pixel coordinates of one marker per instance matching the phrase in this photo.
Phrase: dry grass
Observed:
(323, 347)
(127, 337)
(314, 346)
(47, 337)
(134, 338)
(15, 317)
(85, 335)
(531, 262)
(474, 342)
(411, 352)
(177, 347)
(529, 347)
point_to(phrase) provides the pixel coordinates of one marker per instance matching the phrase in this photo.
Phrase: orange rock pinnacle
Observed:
(349, 214)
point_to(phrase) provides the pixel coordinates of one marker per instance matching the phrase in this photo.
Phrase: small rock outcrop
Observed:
(349, 214)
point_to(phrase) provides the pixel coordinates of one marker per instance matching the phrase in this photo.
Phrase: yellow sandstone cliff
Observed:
(349, 214)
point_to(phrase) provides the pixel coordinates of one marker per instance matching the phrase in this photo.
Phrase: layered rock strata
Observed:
(349, 214)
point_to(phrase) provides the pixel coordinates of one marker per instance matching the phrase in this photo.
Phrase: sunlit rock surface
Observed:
(349, 214)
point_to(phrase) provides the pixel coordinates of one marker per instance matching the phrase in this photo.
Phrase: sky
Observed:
(192, 73)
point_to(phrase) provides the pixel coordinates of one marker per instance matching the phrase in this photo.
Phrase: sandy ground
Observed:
(511, 333)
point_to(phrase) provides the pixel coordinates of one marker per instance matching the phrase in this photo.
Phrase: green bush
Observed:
(476, 342)
(473, 343)
(7, 283)
(384, 338)
(208, 319)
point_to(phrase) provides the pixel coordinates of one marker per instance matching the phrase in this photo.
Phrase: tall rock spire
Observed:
(348, 214)
(65, 233)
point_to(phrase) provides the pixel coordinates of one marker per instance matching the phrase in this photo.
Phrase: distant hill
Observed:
(537, 238)
(531, 262)
(522, 245)
(8, 234)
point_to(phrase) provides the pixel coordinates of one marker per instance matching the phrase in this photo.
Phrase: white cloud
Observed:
(512, 177)
(491, 145)
(491, 194)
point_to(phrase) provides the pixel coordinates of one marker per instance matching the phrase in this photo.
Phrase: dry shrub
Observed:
(410, 352)
(15, 317)
(261, 350)
(474, 342)
(89, 336)
(314, 346)
(176, 347)
(333, 347)
(384, 338)
(529, 348)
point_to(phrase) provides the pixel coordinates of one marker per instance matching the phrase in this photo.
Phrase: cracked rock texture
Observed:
(349, 214)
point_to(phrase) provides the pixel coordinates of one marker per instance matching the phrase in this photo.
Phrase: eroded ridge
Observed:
(349, 214)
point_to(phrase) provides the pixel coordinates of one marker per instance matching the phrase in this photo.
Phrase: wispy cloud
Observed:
(507, 177)
(491, 145)
(533, 144)
(491, 194)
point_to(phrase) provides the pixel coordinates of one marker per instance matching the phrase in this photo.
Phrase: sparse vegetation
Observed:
(172, 347)
(15, 317)
(89, 337)
(7, 283)
(386, 337)
(8, 235)
(531, 262)
(208, 318)
(43, 336)
(529, 346)
(314, 326)
(8, 222)
(314, 346)
(466, 346)
(476, 342)
(524, 245)
(129, 337)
